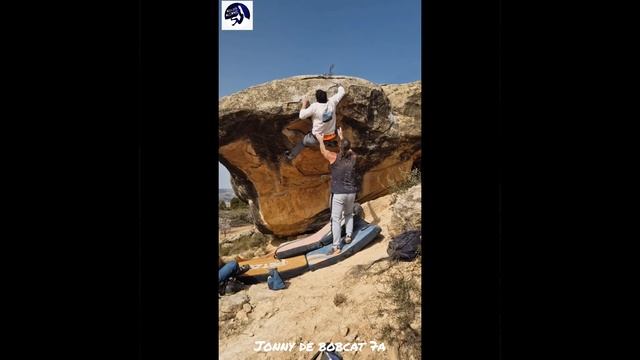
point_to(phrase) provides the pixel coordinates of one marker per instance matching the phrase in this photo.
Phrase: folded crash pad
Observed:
(363, 234)
(319, 239)
(287, 268)
(302, 246)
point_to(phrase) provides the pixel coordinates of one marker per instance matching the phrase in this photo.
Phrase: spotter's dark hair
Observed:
(345, 149)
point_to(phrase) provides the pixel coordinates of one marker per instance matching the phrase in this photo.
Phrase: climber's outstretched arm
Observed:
(337, 97)
(305, 110)
(329, 155)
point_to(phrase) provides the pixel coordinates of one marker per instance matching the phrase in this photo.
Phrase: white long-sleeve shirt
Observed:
(316, 110)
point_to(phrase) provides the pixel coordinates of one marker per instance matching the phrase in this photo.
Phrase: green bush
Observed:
(400, 294)
(401, 286)
(238, 204)
(413, 178)
(239, 216)
(387, 334)
(253, 241)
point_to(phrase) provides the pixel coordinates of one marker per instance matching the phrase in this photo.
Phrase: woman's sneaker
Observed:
(334, 251)
(347, 239)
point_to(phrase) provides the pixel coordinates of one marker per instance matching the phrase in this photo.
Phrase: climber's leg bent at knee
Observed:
(309, 140)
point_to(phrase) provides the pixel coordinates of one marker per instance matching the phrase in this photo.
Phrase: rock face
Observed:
(257, 125)
(407, 211)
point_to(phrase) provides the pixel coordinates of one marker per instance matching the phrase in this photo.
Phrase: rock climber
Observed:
(323, 114)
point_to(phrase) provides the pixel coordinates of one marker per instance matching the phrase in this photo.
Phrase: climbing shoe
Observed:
(287, 156)
(243, 269)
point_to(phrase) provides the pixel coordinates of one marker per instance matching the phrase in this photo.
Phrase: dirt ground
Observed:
(305, 311)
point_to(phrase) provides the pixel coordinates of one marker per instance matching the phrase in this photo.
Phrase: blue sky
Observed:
(378, 40)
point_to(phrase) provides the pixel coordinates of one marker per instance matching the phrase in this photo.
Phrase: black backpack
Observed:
(406, 246)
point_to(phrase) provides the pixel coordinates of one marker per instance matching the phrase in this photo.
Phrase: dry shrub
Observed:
(339, 299)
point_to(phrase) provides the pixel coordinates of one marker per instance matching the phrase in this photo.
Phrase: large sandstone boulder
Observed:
(257, 125)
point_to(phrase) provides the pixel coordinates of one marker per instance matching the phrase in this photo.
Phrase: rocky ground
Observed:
(365, 297)
(239, 230)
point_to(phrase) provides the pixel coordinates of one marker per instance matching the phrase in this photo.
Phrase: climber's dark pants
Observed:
(309, 141)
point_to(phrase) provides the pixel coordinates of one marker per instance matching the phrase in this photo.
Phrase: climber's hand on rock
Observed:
(340, 132)
(320, 137)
